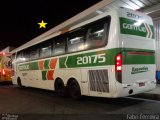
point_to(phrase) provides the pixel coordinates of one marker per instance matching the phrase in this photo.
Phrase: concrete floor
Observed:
(30, 102)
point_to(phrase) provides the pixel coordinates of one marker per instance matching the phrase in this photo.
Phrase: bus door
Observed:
(84, 82)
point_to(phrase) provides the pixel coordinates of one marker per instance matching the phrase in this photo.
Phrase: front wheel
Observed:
(74, 90)
(60, 88)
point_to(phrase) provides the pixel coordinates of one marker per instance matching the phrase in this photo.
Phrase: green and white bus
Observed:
(110, 55)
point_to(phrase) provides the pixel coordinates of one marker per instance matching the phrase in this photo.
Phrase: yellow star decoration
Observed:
(42, 24)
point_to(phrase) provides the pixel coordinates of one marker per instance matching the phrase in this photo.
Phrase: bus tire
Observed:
(74, 89)
(60, 88)
(19, 83)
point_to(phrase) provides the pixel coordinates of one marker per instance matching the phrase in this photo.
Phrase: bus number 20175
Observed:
(100, 58)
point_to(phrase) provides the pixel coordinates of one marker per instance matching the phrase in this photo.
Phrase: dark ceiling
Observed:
(155, 14)
(19, 18)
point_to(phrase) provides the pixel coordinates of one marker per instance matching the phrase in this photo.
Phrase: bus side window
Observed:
(26, 55)
(45, 51)
(59, 46)
(76, 40)
(34, 54)
(97, 35)
(19, 57)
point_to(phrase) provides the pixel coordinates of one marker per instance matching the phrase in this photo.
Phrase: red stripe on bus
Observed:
(141, 53)
(50, 74)
(53, 63)
(148, 30)
(40, 64)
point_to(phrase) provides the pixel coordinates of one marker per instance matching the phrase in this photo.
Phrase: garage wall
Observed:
(157, 34)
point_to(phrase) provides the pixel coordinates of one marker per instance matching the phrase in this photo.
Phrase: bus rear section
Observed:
(5, 67)
(135, 63)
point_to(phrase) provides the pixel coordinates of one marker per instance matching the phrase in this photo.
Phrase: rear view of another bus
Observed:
(135, 63)
(5, 67)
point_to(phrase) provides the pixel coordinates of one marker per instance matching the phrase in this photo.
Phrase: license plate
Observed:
(141, 84)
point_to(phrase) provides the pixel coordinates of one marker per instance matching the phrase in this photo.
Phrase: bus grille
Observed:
(98, 80)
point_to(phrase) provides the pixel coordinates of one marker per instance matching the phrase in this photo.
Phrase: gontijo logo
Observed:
(136, 27)
(23, 67)
(133, 27)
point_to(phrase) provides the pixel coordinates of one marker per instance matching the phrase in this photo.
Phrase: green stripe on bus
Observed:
(138, 59)
(44, 75)
(33, 66)
(96, 58)
(99, 58)
(62, 62)
(46, 64)
(152, 29)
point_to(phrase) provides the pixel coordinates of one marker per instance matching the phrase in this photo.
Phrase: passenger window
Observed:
(26, 55)
(45, 51)
(34, 54)
(97, 35)
(76, 40)
(19, 57)
(59, 46)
